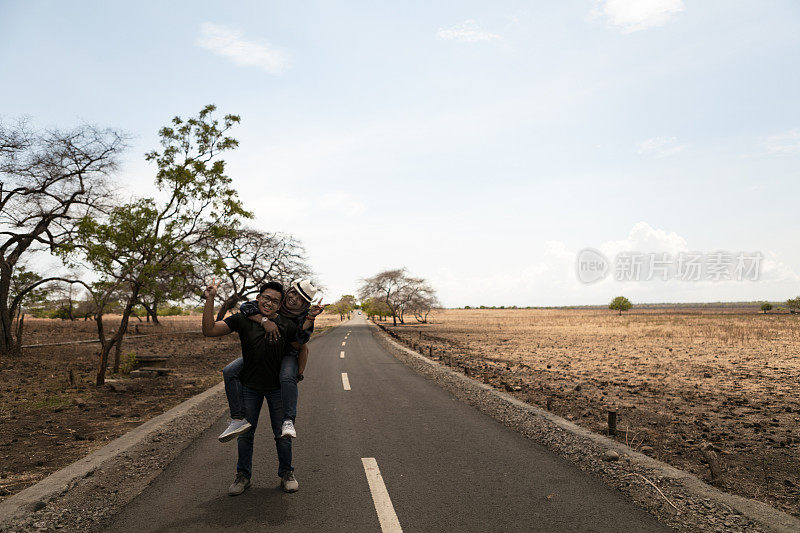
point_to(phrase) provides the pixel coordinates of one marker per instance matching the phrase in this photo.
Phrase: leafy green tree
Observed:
(766, 306)
(140, 242)
(793, 304)
(374, 307)
(620, 303)
(343, 307)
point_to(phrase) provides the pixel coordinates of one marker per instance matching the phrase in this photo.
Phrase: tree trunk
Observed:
(227, 305)
(117, 338)
(117, 351)
(152, 311)
(20, 325)
(104, 349)
(7, 343)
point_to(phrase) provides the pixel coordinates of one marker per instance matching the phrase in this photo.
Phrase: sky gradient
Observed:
(481, 145)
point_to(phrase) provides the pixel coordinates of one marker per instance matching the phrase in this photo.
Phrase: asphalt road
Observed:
(443, 466)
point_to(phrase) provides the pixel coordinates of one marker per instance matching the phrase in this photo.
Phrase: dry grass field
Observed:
(702, 390)
(48, 420)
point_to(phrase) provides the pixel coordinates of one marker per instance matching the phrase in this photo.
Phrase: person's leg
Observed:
(288, 381)
(283, 446)
(233, 388)
(252, 401)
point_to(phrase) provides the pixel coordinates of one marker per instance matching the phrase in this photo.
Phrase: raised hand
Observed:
(211, 289)
(270, 330)
(316, 309)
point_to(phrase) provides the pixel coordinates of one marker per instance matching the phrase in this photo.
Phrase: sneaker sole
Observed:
(290, 490)
(233, 434)
(288, 435)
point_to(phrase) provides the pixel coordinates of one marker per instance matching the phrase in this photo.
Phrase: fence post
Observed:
(612, 422)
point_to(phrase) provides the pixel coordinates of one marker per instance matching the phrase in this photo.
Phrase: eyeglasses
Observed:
(275, 301)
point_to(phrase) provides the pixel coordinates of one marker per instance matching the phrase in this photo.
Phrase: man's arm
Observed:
(212, 328)
(270, 328)
(252, 313)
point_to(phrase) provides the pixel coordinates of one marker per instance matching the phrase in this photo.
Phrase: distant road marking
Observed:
(345, 381)
(380, 497)
(341, 354)
(343, 342)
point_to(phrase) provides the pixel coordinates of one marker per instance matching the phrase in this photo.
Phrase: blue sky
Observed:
(479, 144)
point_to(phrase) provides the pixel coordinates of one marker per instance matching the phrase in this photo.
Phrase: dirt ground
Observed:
(48, 420)
(713, 392)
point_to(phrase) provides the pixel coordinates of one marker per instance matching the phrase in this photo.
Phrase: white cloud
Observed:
(772, 269)
(645, 238)
(468, 32)
(635, 15)
(659, 146)
(229, 43)
(784, 143)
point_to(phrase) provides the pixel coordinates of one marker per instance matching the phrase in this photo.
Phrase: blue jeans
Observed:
(287, 378)
(252, 401)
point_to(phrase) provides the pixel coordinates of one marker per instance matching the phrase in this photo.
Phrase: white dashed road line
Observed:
(341, 354)
(345, 381)
(343, 343)
(380, 497)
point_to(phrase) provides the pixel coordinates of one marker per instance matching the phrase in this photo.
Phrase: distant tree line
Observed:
(126, 257)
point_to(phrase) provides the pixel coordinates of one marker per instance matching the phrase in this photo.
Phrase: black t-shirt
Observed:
(262, 359)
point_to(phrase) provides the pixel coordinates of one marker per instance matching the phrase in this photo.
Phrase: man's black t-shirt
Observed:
(262, 359)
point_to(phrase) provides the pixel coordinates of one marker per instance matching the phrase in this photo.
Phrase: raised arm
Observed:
(313, 312)
(212, 328)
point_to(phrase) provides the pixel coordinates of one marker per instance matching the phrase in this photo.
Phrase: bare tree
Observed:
(48, 182)
(423, 299)
(396, 289)
(246, 259)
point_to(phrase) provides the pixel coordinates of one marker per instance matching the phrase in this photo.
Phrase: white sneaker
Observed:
(287, 429)
(239, 485)
(235, 428)
(289, 482)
